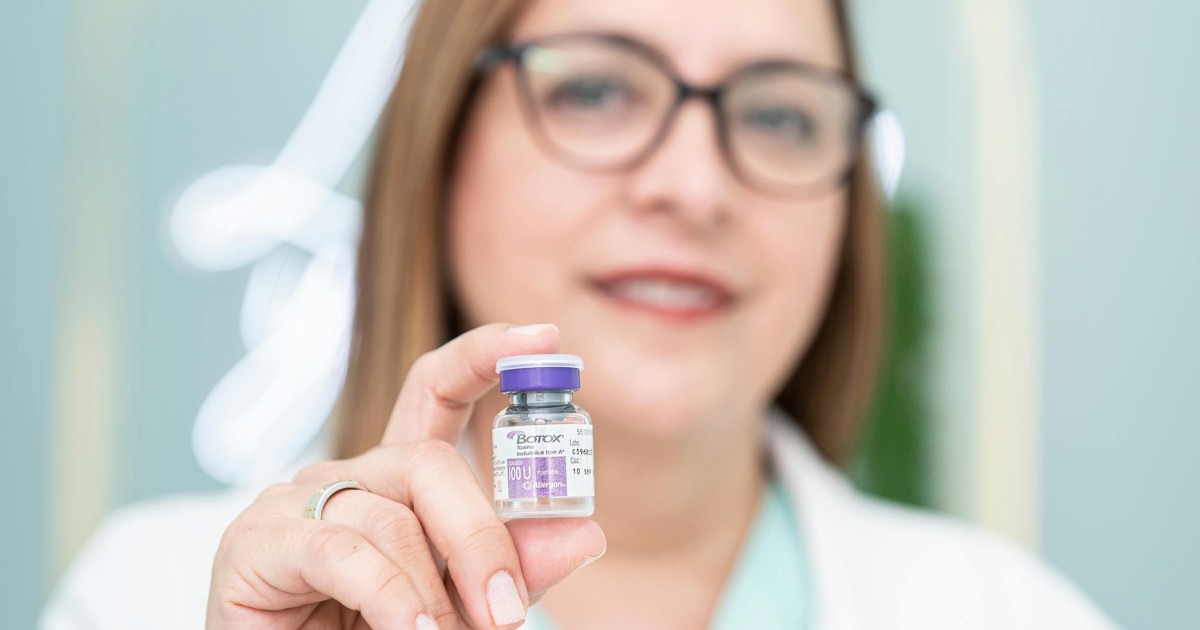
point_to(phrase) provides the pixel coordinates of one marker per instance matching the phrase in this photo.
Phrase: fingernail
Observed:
(590, 559)
(425, 622)
(532, 330)
(503, 599)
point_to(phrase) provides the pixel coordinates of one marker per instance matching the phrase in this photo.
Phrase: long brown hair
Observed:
(404, 308)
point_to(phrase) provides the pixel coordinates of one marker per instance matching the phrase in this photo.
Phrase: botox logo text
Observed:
(523, 439)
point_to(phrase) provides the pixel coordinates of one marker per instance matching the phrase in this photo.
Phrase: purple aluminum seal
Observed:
(539, 372)
(535, 378)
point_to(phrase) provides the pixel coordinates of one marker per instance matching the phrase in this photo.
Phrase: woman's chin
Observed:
(650, 425)
(643, 384)
(657, 411)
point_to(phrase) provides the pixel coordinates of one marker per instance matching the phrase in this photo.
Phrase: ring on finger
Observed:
(316, 503)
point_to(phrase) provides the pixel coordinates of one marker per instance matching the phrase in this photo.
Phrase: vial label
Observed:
(546, 461)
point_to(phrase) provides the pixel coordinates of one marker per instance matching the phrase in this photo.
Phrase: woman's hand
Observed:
(368, 561)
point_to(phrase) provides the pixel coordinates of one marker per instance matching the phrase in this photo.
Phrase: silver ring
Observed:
(316, 503)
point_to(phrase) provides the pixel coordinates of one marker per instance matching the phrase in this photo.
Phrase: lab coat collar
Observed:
(824, 503)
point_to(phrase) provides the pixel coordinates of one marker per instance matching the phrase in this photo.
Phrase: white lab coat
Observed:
(873, 564)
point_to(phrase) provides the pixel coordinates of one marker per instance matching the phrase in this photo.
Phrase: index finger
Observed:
(436, 399)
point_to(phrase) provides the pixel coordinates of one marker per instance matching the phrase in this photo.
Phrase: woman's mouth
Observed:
(671, 294)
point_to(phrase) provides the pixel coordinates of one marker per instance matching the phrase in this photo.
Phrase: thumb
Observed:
(550, 549)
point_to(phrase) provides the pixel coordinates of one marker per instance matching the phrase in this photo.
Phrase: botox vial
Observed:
(542, 442)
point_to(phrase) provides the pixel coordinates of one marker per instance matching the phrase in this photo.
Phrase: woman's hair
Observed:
(404, 307)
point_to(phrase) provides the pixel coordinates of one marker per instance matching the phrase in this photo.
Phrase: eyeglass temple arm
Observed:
(493, 56)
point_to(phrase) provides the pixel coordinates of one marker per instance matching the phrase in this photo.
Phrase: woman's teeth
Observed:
(665, 294)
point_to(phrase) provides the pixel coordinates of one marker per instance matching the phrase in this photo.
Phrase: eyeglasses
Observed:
(605, 102)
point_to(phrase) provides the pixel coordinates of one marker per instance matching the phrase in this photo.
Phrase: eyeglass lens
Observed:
(603, 105)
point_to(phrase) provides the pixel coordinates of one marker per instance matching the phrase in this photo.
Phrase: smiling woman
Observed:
(405, 307)
(682, 196)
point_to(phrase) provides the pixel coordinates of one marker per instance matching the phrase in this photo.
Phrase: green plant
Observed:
(891, 456)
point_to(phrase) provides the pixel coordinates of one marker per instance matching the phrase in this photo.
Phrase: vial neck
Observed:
(540, 398)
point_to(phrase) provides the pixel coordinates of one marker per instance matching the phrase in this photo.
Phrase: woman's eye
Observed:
(787, 123)
(590, 93)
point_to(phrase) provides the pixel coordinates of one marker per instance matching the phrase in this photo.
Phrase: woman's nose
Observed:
(685, 174)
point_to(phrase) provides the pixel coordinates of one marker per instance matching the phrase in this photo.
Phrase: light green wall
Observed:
(1121, 229)
(109, 109)
(1120, 276)
(32, 54)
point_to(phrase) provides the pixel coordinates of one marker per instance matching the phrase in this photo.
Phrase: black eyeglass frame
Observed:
(515, 52)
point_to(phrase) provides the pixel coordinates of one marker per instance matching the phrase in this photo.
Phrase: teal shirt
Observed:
(769, 587)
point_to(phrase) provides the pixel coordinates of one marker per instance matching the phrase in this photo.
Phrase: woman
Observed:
(680, 190)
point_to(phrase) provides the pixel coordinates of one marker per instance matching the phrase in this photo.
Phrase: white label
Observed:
(546, 460)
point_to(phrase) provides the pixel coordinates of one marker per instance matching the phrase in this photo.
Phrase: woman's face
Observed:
(689, 295)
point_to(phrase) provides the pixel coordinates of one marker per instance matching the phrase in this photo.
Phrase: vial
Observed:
(542, 443)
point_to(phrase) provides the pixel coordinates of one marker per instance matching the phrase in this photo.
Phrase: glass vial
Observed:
(542, 443)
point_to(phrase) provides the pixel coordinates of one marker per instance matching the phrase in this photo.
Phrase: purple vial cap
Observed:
(528, 372)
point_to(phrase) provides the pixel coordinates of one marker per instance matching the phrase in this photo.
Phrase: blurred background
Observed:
(1046, 278)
